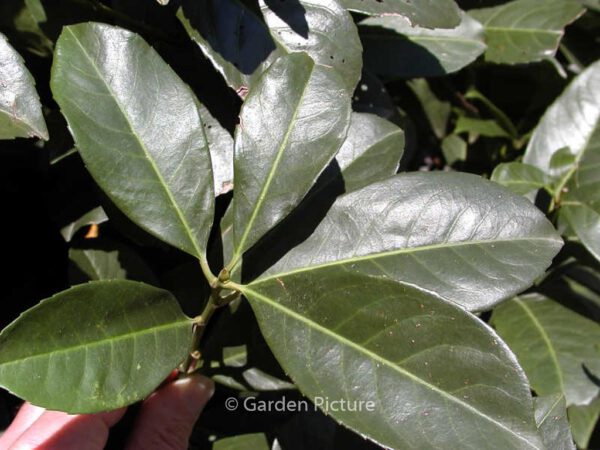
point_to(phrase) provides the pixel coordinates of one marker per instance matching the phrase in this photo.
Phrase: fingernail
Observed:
(197, 390)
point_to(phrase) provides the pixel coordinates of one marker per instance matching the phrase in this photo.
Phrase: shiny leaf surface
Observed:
(523, 31)
(321, 28)
(20, 107)
(371, 152)
(552, 422)
(140, 136)
(583, 420)
(553, 344)
(457, 235)
(571, 127)
(291, 126)
(520, 178)
(423, 363)
(94, 347)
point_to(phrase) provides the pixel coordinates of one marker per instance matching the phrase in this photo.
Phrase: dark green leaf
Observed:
(454, 234)
(552, 423)
(371, 152)
(323, 29)
(94, 347)
(140, 135)
(291, 126)
(441, 14)
(523, 31)
(396, 49)
(583, 420)
(553, 344)
(520, 178)
(573, 123)
(424, 363)
(20, 108)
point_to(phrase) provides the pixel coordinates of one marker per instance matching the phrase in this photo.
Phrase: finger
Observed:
(168, 416)
(55, 430)
(27, 415)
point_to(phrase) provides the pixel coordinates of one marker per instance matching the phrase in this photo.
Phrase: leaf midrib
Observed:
(142, 146)
(414, 37)
(395, 252)
(554, 405)
(265, 189)
(522, 30)
(376, 357)
(546, 339)
(112, 340)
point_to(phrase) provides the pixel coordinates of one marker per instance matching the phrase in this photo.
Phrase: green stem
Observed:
(558, 191)
(210, 277)
(570, 56)
(200, 324)
(215, 302)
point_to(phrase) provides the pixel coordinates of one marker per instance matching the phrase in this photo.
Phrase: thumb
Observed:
(167, 417)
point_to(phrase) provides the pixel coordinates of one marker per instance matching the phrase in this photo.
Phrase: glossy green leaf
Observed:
(552, 423)
(106, 259)
(454, 234)
(371, 152)
(255, 441)
(291, 126)
(583, 420)
(572, 122)
(424, 363)
(554, 345)
(584, 219)
(232, 37)
(140, 136)
(562, 160)
(523, 31)
(20, 107)
(321, 28)
(441, 14)
(396, 49)
(94, 347)
(520, 178)
(571, 126)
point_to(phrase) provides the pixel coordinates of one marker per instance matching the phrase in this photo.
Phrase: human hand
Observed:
(165, 422)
